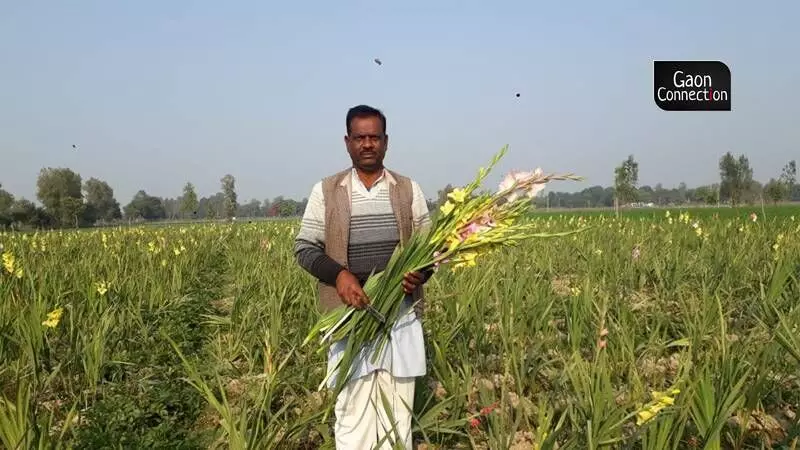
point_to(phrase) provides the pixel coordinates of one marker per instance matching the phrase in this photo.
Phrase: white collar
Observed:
(385, 176)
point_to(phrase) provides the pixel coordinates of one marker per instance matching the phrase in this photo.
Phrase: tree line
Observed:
(736, 186)
(66, 201)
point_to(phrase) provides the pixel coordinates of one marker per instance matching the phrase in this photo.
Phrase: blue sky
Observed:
(155, 93)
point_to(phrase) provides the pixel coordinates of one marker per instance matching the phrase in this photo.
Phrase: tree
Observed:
(6, 200)
(789, 177)
(265, 207)
(708, 194)
(781, 189)
(24, 212)
(172, 207)
(645, 194)
(789, 172)
(626, 177)
(100, 201)
(211, 207)
(59, 190)
(682, 189)
(249, 209)
(775, 190)
(736, 177)
(189, 203)
(660, 194)
(145, 206)
(274, 206)
(287, 208)
(229, 193)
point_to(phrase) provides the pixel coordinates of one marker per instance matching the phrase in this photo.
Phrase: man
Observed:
(352, 224)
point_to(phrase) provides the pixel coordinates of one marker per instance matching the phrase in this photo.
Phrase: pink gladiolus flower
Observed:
(513, 177)
(516, 178)
(477, 226)
(470, 229)
(534, 189)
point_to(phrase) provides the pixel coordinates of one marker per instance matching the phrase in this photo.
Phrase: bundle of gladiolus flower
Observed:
(468, 226)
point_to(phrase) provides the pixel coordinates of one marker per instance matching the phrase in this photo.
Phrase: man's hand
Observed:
(349, 290)
(411, 281)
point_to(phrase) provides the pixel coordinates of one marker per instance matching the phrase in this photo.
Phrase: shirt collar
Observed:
(385, 176)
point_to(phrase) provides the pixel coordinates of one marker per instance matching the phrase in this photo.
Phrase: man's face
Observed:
(366, 143)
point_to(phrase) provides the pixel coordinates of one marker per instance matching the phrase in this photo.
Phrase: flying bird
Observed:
(74, 146)
(377, 61)
(517, 94)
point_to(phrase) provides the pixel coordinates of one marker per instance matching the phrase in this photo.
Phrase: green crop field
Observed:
(650, 331)
(786, 210)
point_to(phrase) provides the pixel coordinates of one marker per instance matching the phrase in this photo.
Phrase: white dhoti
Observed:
(362, 419)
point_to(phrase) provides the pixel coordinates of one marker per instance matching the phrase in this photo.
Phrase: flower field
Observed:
(667, 331)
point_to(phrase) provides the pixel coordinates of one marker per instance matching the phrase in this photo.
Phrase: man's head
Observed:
(366, 138)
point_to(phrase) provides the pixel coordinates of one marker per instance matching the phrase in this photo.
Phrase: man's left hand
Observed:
(411, 281)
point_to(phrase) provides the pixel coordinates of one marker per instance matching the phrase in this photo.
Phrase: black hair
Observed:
(364, 111)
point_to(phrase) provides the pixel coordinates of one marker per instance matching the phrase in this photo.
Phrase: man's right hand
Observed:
(349, 290)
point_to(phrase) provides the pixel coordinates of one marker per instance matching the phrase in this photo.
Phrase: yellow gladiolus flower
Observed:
(466, 259)
(447, 208)
(643, 417)
(469, 257)
(53, 318)
(102, 287)
(453, 241)
(457, 195)
(8, 261)
(660, 401)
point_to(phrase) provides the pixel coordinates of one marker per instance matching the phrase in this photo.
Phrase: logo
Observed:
(692, 85)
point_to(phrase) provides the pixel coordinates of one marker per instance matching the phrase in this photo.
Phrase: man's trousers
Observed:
(362, 420)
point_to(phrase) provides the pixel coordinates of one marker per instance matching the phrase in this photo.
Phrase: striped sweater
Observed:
(373, 230)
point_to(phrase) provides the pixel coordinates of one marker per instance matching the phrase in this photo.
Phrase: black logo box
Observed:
(692, 85)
